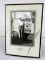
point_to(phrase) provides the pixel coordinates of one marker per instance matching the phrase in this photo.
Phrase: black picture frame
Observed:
(40, 33)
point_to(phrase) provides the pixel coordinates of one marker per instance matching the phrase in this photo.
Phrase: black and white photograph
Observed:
(22, 27)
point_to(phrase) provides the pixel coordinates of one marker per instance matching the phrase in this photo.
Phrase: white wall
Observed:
(2, 13)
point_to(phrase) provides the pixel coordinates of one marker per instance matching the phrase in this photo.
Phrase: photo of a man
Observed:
(23, 28)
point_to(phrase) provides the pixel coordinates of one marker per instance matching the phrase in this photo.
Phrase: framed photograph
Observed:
(23, 29)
